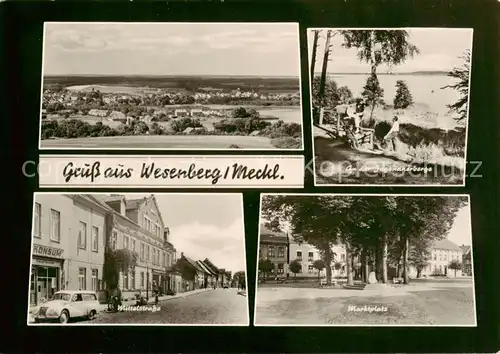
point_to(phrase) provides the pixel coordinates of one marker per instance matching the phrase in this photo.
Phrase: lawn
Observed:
(444, 306)
(161, 142)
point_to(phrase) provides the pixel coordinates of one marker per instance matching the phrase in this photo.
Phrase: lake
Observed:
(425, 89)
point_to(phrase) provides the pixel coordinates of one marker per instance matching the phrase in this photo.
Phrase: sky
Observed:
(205, 226)
(440, 50)
(238, 49)
(460, 233)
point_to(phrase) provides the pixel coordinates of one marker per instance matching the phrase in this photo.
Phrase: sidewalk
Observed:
(151, 301)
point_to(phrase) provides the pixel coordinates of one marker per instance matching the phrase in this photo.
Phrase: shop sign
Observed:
(46, 262)
(45, 251)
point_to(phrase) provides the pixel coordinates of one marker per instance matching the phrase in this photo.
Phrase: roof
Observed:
(75, 292)
(465, 249)
(205, 268)
(446, 245)
(134, 203)
(192, 262)
(211, 266)
(269, 236)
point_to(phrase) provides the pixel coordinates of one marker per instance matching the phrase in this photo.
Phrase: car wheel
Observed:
(92, 314)
(64, 317)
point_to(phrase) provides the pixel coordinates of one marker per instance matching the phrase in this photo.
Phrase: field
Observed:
(160, 142)
(208, 83)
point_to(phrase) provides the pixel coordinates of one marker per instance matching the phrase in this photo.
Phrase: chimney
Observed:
(123, 207)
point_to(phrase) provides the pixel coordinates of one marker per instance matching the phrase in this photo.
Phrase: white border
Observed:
(90, 324)
(283, 158)
(299, 73)
(262, 195)
(311, 108)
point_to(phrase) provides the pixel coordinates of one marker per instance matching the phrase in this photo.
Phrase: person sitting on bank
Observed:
(356, 112)
(391, 136)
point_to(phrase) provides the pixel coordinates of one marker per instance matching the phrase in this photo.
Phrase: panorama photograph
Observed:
(365, 260)
(182, 86)
(129, 259)
(390, 106)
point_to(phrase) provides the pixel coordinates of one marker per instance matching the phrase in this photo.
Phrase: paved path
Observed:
(433, 303)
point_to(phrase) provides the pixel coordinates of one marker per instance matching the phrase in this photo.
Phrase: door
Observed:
(77, 306)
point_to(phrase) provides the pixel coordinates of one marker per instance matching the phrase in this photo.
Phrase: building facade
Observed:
(68, 245)
(306, 254)
(274, 246)
(443, 252)
(137, 225)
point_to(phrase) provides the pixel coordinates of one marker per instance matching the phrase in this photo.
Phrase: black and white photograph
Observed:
(130, 259)
(365, 260)
(390, 106)
(182, 86)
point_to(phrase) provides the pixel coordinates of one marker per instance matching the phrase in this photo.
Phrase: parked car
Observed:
(68, 304)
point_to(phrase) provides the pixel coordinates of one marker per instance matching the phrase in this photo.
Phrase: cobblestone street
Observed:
(220, 306)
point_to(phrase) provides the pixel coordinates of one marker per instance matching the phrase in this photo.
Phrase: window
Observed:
(125, 242)
(311, 256)
(281, 268)
(114, 238)
(82, 278)
(270, 251)
(342, 257)
(299, 255)
(125, 280)
(37, 220)
(95, 280)
(142, 280)
(163, 259)
(132, 280)
(147, 253)
(281, 251)
(82, 236)
(55, 225)
(142, 252)
(435, 257)
(310, 269)
(95, 239)
(133, 245)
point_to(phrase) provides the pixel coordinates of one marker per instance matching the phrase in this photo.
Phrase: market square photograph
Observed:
(365, 260)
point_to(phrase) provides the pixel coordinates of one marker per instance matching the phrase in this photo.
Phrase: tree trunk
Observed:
(372, 109)
(378, 262)
(384, 259)
(314, 50)
(405, 260)
(328, 267)
(348, 264)
(366, 268)
(372, 53)
(322, 82)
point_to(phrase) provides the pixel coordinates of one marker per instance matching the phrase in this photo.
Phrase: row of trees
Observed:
(376, 231)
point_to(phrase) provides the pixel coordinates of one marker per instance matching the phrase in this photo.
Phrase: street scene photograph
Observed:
(127, 259)
(365, 260)
(183, 86)
(390, 106)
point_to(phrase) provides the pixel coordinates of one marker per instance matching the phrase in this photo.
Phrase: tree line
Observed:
(376, 231)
